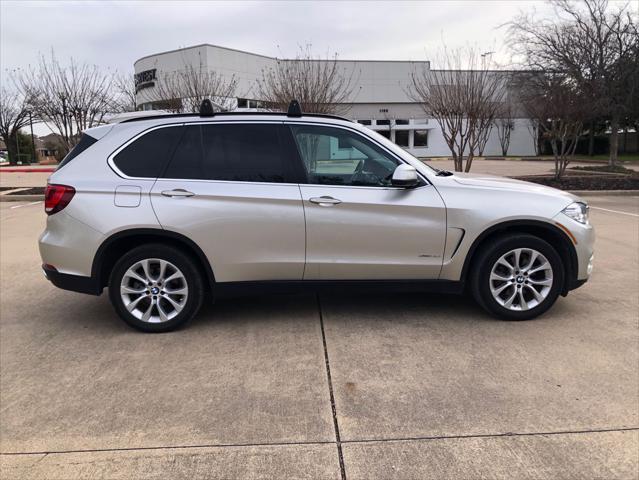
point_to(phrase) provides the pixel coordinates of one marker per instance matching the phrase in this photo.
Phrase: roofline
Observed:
(231, 114)
(271, 58)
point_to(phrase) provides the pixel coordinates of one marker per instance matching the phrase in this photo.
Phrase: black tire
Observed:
(178, 259)
(491, 253)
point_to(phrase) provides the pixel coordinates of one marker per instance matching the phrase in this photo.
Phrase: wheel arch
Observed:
(121, 242)
(554, 235)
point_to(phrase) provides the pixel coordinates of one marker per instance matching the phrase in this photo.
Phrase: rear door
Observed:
(229, 188)
(358, 226)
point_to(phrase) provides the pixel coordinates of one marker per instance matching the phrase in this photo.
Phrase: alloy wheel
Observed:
(521, 279)
(154, 290)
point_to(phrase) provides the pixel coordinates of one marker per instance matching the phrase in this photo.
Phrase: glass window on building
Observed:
(383, 122)
(364, 122)
(401, 138)
(401, 121)
(384, 133)
(420, 138)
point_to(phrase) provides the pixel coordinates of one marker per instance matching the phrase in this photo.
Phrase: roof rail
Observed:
(206, 110)
(294, 109)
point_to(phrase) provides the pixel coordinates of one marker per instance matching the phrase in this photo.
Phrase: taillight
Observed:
(56, 197)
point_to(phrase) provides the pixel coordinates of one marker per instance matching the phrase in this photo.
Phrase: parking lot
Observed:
(401, 385)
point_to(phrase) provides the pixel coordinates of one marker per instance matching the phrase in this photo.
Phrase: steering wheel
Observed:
(360, 168)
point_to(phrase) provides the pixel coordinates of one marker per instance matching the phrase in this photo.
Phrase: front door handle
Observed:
(325, 201)
(177, 192)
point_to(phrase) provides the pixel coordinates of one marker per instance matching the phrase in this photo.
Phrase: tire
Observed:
(545, 276)
(157, 306)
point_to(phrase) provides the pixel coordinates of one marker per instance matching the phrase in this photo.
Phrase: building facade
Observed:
(378, 99)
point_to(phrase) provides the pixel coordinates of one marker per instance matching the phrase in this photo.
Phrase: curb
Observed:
(21, 198)
(26, 170)
(604, 192)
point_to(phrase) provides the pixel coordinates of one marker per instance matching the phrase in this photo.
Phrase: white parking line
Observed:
(25, 205)
(615, 211)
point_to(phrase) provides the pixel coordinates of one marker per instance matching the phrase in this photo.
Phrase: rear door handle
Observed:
(177, 192)
(325, 201)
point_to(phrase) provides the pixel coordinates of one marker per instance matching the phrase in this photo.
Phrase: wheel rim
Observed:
(521, 279)
(154, 290)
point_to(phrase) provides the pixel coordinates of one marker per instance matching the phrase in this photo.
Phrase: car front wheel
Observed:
(517, 277)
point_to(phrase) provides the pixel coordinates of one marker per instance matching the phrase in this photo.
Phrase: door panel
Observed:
(373, 233)
(228, 188)
(248, 231)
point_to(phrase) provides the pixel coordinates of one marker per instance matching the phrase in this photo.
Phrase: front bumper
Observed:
(583, 239)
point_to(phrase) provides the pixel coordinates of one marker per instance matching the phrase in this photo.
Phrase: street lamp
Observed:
(483, 58)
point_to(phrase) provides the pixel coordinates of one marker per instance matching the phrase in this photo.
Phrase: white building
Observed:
(379, 97)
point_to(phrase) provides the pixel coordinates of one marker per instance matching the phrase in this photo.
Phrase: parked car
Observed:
(167, 210)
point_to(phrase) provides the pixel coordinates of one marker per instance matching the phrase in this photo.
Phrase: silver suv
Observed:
(165, 210)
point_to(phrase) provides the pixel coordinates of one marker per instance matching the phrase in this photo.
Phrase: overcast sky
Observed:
(115, 34)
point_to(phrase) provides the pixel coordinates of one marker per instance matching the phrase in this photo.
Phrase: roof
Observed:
(200, 45)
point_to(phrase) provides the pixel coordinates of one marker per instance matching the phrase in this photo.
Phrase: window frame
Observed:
(300, 162)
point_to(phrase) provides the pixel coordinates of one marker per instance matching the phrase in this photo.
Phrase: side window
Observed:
(147, 156)
(85, 142)
(236, 152)
(334, 156)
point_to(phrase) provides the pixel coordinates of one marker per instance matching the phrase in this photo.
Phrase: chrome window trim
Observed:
(120, 173)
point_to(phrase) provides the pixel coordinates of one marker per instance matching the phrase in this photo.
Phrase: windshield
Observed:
(397, 149)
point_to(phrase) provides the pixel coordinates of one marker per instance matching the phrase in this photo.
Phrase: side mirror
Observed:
(405, 176)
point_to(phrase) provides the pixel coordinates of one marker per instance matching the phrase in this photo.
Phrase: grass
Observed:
(606, 169)
(623, 157)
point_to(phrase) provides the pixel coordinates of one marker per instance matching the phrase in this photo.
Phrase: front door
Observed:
(358, 226)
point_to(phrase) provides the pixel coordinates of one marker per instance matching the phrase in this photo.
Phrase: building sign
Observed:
(144, 79)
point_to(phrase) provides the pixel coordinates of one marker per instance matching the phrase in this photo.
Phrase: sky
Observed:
(113, 34)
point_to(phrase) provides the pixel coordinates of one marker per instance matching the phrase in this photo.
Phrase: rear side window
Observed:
(236, 152)
(146, 156)
(85, 142)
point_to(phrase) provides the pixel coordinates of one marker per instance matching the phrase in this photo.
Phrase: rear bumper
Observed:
(74, 283)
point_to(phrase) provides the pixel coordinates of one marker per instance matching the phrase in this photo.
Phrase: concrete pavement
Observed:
(424, 386)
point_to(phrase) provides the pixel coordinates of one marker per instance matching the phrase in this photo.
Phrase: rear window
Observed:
(85, 142)
(236, 152)
(146, 156)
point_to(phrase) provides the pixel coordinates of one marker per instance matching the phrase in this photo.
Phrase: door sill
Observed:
(337, 286)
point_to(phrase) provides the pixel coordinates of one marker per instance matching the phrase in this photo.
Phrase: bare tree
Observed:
(533, 129)
(125, 99)
(559, 109)
(464, 100)
(320, 85)
(68, 99)
(505, 124)
(182, 91)
(592, 44)
(14, 115)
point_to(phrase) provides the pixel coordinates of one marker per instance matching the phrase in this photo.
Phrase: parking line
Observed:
(615, 211)
(25, 205)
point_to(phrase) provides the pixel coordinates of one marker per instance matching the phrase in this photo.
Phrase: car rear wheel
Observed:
(156, 288)
(517, 277)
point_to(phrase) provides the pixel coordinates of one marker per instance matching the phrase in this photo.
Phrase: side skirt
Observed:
(231, 289)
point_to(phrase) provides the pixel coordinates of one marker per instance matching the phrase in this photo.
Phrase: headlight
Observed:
(577, 211)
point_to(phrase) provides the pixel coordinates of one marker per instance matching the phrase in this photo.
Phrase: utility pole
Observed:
(33, 146)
